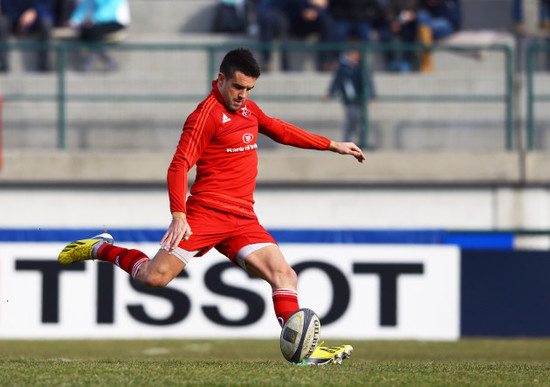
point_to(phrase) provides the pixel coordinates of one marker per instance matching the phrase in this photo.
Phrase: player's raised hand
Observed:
(179, 229)
(347, 148)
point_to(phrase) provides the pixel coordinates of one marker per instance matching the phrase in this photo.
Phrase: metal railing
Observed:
(62, 97)
(507, 98)
(534, 95)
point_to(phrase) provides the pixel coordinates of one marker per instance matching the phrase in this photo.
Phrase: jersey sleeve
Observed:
(288, 134)
(197, 132)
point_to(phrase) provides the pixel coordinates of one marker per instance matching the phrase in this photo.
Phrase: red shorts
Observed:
(226, 232)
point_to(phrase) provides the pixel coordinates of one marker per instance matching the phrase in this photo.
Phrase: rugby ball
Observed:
(300, 335)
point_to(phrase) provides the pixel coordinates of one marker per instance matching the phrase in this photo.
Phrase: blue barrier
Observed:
(477, 240)
(481, 240)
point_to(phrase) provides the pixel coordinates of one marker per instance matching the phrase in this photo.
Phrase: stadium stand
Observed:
(96, 124)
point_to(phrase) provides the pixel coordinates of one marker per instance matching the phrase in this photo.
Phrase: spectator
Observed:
(231, 16)
(274, 24)
(517, 15)
(98, 21)
(283, 18)
(312, 17)
(359, 18)
(436, 19)
(24, 17)
(348, 82)
(63, 11)
(544, 15)
(402, 18)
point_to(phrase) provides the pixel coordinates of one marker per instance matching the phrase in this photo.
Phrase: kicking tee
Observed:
(223, 146)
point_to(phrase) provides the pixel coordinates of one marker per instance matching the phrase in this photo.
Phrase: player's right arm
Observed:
(196, 134)
(178, 230)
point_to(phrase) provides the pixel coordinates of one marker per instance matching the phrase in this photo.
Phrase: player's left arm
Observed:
(347, 148)
(289, 134)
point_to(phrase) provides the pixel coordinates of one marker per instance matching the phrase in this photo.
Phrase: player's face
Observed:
(235, 90)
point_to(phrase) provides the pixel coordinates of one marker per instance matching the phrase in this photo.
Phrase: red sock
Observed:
(127, 260)
(285, 302)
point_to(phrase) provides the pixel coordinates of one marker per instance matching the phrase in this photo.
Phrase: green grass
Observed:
(258, 362)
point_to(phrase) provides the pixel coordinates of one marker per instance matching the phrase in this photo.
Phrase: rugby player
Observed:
(219, 137)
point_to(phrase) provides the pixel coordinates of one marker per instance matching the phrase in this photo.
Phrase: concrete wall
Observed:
(297, 188)
(468, 208)
(285, 166)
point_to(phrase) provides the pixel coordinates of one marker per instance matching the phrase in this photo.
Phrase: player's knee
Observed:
(292, 276)
(285, 277)
(154, 280)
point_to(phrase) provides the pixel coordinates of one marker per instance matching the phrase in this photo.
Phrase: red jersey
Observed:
(223, 146)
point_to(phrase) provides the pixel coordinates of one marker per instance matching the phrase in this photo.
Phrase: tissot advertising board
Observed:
(359, 291)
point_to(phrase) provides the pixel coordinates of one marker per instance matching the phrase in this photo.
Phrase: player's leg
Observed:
(101, 247)
(153, 273)
(163, 268)
(269, 264)
(266, 261)
(257, 253)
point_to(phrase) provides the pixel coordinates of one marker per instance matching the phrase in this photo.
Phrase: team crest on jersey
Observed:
(245, 111)
(248, 137)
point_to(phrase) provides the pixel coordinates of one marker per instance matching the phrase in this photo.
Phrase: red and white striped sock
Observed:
(285, 302)
(128, 260)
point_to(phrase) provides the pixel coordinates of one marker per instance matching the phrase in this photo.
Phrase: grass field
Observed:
(474, 362)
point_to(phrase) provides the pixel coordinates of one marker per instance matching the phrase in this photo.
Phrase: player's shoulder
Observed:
(209, 103)
(203, 112)
(252, 109)
(252, 105)
(207, 107)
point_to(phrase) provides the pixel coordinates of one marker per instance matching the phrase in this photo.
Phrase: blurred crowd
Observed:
(92, 20)
(324, 21)
(339, 21)
(353, 22)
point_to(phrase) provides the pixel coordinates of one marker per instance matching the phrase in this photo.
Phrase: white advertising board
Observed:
(359, 291)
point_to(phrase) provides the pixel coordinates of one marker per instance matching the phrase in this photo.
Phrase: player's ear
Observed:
(221, 78)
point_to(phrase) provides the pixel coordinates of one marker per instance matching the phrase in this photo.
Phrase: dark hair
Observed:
(240, 59)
